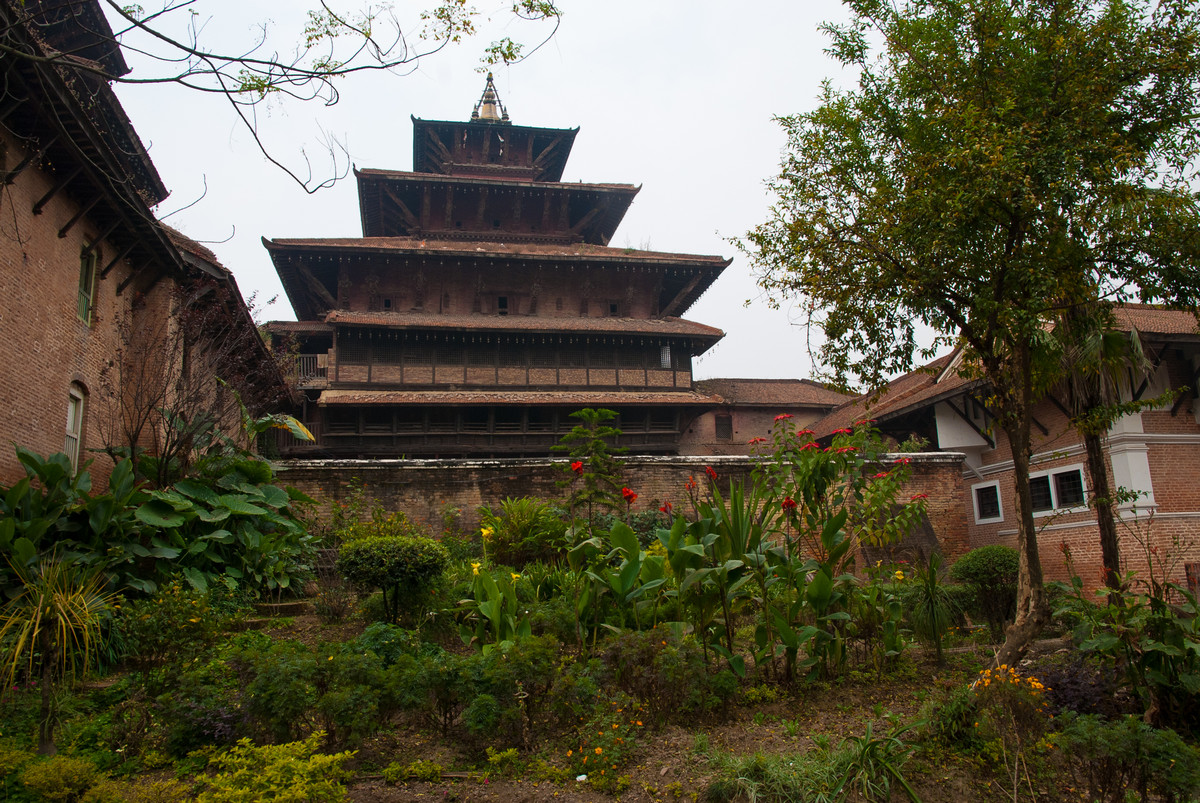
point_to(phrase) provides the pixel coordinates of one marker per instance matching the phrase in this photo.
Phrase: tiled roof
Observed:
(187, 244)
(563, 398)
(772, 392)
(299, 327)
(1151, 319)
(526, 323)
(404, 175)
(899, 396)
(417, 245)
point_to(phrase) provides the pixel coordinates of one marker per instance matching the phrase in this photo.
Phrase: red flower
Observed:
(577, 466)
(788, 504)
(843, 431)
(810, 445)
(845, 449)
(862, 421)
(629, 495)
(882, 474)
(800, 432)
(903, 461)
(782, 417)
(756, 441)
(690, 485)
(666, 508)
(915, 497)
(712, 475)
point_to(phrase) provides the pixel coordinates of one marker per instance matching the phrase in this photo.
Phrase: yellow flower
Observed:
(475, 568)
(486, 532)
(899, 575)
(599, 751)
(515, 576)
(193, 621)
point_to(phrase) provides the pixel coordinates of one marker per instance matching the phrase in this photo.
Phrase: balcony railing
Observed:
(311, 370)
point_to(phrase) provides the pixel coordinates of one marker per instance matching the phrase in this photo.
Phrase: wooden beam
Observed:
(90, 247)
(481, 209)
(83, 210)
(112, 264)
(426, 205)
(586, 219)
(30, 158)
(58, 186)
(128, 279)
(405, 212)
(962, 414)
(315, 285)
(1162, 353)
(539, 160)
(677, 301)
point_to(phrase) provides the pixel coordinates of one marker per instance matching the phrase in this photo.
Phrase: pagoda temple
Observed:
(483, 304)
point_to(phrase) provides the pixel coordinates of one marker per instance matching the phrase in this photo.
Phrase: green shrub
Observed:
(388, 642)
(522, 531)
(669, 676)
(392, 525)
(404, 569)
(141, 791)
(992, 572)
(1110, 757)
(174, 625)
(289, 773)
(61, 778)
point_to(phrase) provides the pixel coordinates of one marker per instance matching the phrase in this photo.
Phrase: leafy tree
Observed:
(999, 161)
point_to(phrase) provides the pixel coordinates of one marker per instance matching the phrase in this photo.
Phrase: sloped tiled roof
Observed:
(563, 398)
(1152, 319)
(416, 245)
(526, 323)
(901, 395)
(772, 392)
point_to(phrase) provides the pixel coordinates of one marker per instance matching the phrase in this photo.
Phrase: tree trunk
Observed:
(1110, 550)
(1033, 609)
(46, 745)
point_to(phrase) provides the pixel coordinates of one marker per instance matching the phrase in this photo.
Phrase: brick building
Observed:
(483, 305)
(93, 290)
(1155, 454)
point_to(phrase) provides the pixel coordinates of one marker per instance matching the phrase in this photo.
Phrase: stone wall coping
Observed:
(932, 458)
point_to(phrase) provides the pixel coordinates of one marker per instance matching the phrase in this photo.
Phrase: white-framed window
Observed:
(986, 499)
(74, 440)
(87, 283)
(1058, 490)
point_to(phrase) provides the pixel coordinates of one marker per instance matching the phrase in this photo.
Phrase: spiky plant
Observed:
(50, 630)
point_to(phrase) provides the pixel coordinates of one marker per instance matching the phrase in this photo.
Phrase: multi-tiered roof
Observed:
(483, 303)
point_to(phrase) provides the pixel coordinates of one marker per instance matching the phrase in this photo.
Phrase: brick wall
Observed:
(47, 347)
(422, 488)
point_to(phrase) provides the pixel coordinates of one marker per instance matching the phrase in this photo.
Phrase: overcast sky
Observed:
(676, 96)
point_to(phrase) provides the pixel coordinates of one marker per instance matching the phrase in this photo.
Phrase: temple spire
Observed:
(489, 109)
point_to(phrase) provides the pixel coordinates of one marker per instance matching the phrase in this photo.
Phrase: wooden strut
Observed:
(59, 186)
(32, 157)
(107, 268)
(991, 442)
(83, 210)
(95, 243)
(125, 282)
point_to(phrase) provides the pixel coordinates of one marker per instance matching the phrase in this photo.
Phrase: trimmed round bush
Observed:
(404, 569)
(992, 572)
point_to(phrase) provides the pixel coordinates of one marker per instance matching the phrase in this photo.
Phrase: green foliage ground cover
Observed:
(744, 617)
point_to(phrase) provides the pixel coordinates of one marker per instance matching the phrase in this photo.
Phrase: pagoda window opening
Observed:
(509, 419)
(614, 309)
(410, 419)
(630, 358)
(418, 355)
(449, 355)
(484, 356)
(501, 305)
(387, 303)
(574, 358)
(354, 351)
(602, 358)
(540, 420)
(664, 356)
(443, 419)
(663, 421)
(377, 421)
(513, 357)
(583, 308)
(387, 354)
(543, 358)
(341, 422)
(476, 419)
